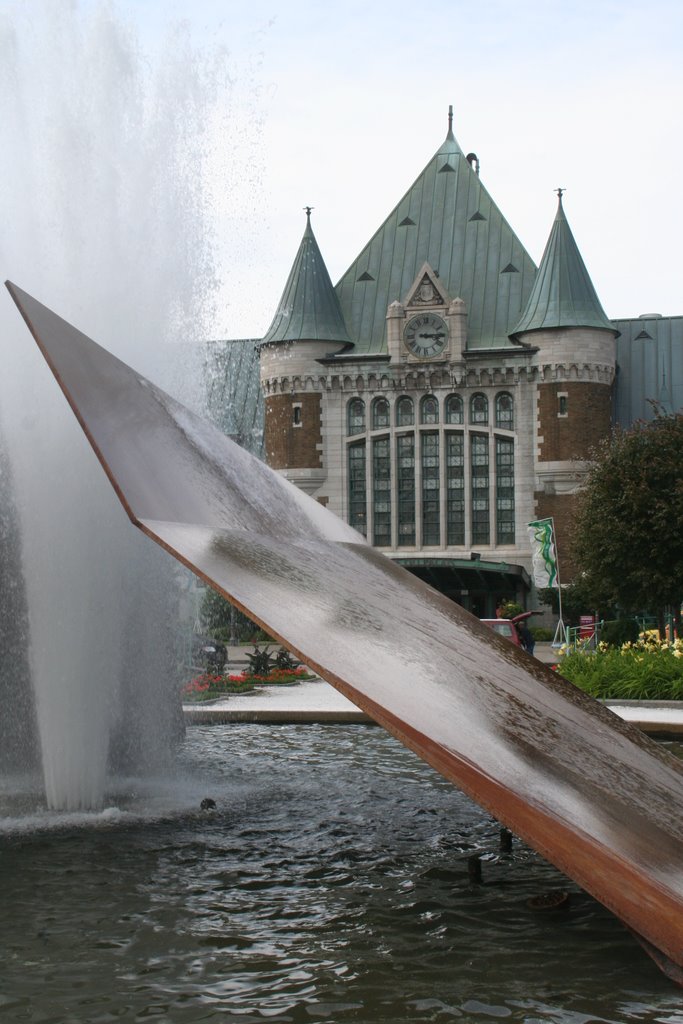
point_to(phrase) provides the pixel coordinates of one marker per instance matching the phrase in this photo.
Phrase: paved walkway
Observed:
(309, 701)
(317, 701)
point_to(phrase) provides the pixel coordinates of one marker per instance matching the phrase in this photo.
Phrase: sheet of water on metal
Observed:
(590, 793)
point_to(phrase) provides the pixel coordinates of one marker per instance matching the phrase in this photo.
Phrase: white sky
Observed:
(341, 106)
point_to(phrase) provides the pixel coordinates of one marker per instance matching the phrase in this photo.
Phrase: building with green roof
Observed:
(447, 392)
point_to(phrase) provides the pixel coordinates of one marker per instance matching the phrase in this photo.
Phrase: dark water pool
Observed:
(330, 884)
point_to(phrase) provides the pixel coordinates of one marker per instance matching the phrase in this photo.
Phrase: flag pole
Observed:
(545, 566)
(561, 631)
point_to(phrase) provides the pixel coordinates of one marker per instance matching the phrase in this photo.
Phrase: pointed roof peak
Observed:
(448, 220)
(449, 145)
(309, 309)
(563, 294)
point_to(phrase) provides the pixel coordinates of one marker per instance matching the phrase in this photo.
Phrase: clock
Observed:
(425, 335)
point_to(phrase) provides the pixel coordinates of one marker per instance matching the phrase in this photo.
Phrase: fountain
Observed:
(294, 900)
(102, 159)
(583, 788)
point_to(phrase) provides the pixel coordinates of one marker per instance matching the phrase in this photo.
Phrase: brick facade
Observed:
(572, 417)
(561, 508)
(290, 444)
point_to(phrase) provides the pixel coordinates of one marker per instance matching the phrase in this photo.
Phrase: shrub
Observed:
(619, 631)
(510, 609)
(542, 634)
(648, 669)
(260, 661)
(285, 661)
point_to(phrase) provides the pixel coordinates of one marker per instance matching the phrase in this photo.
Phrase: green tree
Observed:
(220, 619)
(628, 529)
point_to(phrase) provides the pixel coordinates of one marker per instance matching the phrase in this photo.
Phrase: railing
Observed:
(579, 639)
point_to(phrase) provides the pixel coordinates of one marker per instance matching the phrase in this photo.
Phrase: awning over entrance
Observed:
(471, 582)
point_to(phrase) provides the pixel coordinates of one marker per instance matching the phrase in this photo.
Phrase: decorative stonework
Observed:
(426, 291)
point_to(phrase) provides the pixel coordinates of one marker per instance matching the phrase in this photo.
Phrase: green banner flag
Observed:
(544, 558)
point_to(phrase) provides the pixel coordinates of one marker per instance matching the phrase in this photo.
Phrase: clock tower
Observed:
(426, 327)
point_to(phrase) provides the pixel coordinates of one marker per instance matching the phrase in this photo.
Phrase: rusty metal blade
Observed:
(590, 793)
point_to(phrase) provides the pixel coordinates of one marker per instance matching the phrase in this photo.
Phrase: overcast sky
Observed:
(341, 106)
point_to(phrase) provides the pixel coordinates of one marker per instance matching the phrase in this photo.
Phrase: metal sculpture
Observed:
(587, 791)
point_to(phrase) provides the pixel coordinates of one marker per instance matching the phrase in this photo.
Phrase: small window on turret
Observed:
(562, 403)
(296, 414)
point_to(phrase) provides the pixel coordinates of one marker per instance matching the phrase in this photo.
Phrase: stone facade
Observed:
(446, 393)
(497, 439)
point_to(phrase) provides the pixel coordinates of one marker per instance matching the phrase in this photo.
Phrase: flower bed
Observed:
(281, 677)
(212, 687)
(648, 669)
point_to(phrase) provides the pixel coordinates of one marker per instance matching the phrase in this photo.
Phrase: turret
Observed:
(575, 364)
(308, 325)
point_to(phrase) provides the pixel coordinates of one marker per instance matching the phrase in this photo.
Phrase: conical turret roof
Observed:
(309, 309)
(563, 294)
(448, 220)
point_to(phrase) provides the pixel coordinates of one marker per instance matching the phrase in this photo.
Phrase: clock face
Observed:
(425, 335)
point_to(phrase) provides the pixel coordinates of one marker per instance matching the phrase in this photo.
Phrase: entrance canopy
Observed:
(471, 582)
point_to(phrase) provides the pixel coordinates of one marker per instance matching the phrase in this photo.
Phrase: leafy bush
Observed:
(542, 634)
(510, 609)
(260, 661)
(285, 661)
(619, 631)
(648, 669)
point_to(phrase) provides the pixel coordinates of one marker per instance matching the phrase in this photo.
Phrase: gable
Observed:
(447, 220)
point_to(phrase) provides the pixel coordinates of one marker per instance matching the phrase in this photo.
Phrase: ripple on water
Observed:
(330, 883)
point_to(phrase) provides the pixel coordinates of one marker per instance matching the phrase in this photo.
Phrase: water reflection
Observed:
(330, 884)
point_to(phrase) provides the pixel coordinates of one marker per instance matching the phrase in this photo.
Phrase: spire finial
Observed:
(308, 210)
(450, 119)
(560, 192)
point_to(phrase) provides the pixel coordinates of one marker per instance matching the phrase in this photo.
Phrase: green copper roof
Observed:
(309, 308)
(563, 294)
(448, 220)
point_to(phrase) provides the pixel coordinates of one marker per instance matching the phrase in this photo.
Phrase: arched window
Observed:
(479, 409)
(504, 411)
(429, 409)
(356, 416)
(454, 409)
(405, 413)
(380, 413)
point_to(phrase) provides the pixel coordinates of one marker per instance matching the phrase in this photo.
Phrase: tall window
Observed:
(355, 416)
(431, 533)
(455, 488)
(505, 491)
(405, 472)
(380, 413)
(481, 532)
(405, 413)
(381, 492)
(357, 488)
(479, 409)
(429, 410)
(454, 409)
(504, 411)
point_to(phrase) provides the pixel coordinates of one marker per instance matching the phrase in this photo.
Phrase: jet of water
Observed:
(106, 214)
